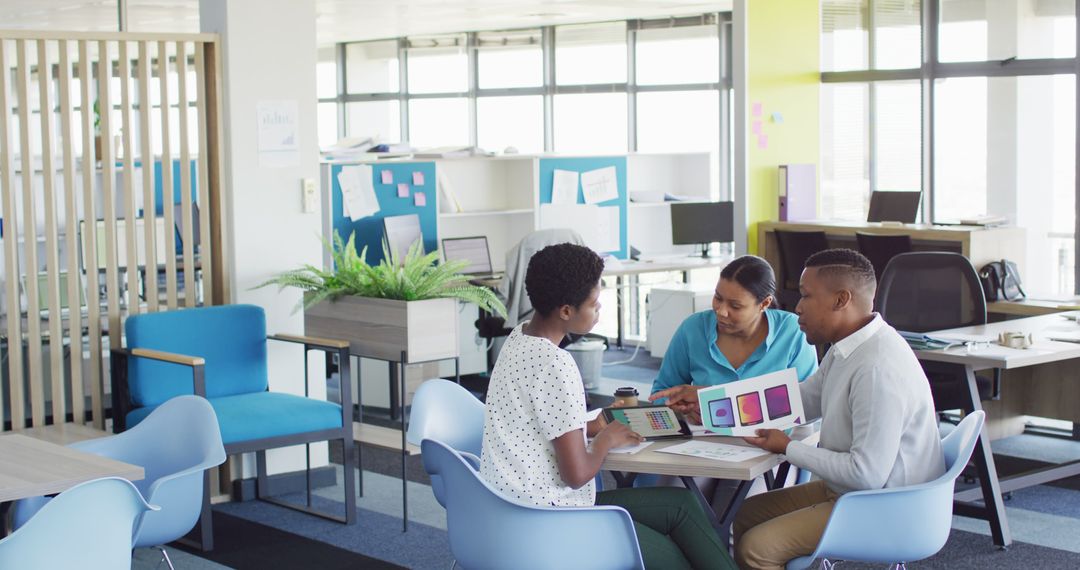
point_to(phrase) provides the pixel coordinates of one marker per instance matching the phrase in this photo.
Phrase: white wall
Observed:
(269, 54)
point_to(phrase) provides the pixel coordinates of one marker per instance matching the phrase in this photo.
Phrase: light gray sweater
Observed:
(879, 428)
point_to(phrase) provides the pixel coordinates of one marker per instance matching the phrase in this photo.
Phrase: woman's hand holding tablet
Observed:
(652, 422)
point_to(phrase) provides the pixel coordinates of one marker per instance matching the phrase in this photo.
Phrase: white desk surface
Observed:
(1042, 350)
(651, 460)
(666, 263)
(31, 467)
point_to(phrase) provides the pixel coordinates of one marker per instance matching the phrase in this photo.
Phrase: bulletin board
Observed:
(587, 164)
(418, 197)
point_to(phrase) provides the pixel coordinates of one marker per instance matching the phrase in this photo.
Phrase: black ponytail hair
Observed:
(753, 274)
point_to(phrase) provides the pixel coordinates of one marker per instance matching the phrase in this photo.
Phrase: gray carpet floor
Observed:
(1045, 520)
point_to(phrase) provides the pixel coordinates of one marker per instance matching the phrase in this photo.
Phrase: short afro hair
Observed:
(562, 274)
(846, 265)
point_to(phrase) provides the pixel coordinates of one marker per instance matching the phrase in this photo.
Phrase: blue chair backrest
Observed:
(231, 338)
(488, 530)
(87, 526)
(174, 445)
(899, 524)
(442, 410)
(445, 411)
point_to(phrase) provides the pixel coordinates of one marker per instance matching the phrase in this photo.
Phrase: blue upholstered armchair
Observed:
(221, 353)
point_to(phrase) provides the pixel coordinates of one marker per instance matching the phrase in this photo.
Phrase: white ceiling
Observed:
(352, 20)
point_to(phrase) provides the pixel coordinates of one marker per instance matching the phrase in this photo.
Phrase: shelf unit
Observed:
(500, 197)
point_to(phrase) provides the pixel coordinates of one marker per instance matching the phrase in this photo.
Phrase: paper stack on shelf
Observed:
(451, 152)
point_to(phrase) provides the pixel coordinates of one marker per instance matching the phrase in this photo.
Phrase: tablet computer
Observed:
(652, 422)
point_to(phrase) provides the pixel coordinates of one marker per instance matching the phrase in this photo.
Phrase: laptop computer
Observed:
(474, 251)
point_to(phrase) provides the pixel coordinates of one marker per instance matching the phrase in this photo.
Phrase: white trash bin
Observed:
(589, 356)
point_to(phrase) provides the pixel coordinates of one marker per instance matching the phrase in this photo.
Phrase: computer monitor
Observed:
(401, 232)
(702, 223)
(472, 250)
(160, 249)
(894, 206)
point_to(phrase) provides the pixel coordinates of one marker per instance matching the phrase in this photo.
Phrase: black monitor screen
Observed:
(893, 206)
(702, 222)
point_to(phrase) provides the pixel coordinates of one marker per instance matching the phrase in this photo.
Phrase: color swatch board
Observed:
(744, 406)
(387, 178)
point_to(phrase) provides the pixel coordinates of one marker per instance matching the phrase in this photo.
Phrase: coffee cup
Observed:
(626, 396)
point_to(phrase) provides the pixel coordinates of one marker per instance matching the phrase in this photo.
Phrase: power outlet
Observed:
(309, 195)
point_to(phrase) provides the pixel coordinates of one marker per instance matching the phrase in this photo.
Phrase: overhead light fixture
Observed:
(545, 15)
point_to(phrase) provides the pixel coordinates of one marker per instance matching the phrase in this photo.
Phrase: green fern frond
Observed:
(416, 277)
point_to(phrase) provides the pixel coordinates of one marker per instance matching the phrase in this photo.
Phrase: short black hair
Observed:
(562, 274)
(753, 274)
(845, 264)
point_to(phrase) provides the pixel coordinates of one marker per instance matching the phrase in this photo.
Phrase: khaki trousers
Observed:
(781, 525)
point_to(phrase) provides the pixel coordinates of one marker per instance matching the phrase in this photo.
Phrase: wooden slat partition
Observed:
(71, 212)
(11, 252)
(86, 234)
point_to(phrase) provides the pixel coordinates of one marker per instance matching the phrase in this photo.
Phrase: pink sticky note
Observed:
(756, 109)
(418, 178)
(419, 199)
(755, 127)
(387, 177)
(763, 141)
(403, 190)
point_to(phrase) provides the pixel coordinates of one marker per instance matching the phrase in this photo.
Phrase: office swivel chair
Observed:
(933, 290)
(794, 249)
(880, 248)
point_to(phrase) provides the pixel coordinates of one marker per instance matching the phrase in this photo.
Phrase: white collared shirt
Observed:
(878, 424)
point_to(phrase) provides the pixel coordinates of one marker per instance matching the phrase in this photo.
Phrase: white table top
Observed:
(651, 460)
(667, 263)
(31, 467)
(1042, 351)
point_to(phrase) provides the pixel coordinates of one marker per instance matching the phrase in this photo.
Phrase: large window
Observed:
(614, 89)
(1002, 138)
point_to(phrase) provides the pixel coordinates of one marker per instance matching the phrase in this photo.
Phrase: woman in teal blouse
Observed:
(741, 337)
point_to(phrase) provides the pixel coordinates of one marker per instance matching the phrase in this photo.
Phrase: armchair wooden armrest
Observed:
(311, 341)
(121, 396)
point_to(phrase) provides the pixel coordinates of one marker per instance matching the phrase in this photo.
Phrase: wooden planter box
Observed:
(382, 328)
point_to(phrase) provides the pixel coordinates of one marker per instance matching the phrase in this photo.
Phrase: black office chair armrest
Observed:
(121, 396)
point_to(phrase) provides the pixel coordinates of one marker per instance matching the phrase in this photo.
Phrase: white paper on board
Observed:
(564, 185)
(278, 128)
(600, 185)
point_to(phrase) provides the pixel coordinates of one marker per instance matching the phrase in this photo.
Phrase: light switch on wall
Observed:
(309, 195)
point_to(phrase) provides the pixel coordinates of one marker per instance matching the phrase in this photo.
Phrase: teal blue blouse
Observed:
(693, 357)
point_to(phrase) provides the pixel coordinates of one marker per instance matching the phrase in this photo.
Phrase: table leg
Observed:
(404, 479)
(994, 509)
(721, 523)
(619, 312)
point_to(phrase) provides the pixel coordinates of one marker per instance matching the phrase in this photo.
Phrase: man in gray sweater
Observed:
(878, 424)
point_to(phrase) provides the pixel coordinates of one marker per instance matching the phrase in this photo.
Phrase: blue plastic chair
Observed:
(901, 524)
(488, 530)
(88, 526)
(174, 445)
(444, 411)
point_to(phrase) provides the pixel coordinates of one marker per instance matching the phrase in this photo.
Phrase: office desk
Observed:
(1029, 307)
(979, 244)
(1038, 381)
(33, 467)
(631, 268)
(650, 460)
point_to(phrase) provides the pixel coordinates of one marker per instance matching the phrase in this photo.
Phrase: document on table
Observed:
(564, 184)
(631, 449)
(715, 451)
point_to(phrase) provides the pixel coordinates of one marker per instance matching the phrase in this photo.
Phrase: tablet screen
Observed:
(650, 422)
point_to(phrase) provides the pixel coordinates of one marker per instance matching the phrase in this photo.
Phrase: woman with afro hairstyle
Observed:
(535, 427)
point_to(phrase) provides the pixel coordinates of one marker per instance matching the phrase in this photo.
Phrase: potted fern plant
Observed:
(408, 305)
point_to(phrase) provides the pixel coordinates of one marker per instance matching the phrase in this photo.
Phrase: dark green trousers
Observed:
(672, 528)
